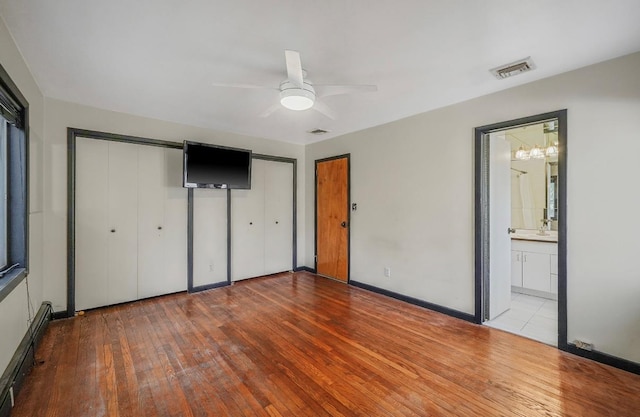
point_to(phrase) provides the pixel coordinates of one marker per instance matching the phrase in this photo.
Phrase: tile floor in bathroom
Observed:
(529, 316)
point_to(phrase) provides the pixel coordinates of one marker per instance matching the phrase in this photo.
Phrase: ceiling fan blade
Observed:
(294, 67)
(334, 90)
(270, 110)
(322, 108)
(253, 86)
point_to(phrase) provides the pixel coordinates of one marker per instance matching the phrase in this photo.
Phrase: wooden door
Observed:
(332, 218)
(278, 213)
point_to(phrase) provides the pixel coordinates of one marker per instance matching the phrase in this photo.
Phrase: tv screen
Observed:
(210, 166)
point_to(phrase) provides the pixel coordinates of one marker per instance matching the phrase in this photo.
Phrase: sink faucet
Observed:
(544, 227)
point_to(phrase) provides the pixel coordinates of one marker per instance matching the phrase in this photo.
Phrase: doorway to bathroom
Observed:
(520, 227)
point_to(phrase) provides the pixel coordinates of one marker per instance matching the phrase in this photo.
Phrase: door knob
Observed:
(276, 222)
(113, 230)
(343, 224)
(159, 227)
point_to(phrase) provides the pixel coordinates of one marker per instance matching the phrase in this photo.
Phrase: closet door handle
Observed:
(113, 230)
(159, 227)
(276, 222)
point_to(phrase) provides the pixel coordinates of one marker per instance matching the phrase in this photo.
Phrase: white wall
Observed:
(13, 309)
(60, 115)
(413, 182)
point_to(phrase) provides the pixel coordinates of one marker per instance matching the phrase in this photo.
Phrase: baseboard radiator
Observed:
(23, 360)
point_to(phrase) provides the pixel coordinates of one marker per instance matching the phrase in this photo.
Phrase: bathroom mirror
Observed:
(534, 175)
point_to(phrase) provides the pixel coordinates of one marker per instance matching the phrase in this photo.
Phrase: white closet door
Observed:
(162, 222)
(247, 226)
(91, 223)
(209, 236)
(278, 208)
(122, 282)
(151, 183)
(175, 224)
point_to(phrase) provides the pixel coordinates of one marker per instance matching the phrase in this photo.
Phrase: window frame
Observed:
(14, 108)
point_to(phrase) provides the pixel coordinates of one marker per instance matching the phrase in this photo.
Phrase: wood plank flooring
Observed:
(301, 345)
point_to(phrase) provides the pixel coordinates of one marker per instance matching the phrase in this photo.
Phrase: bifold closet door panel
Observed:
(209, 236)
(91, 223)
(122, 282)
(150, 220)
(278, 208)
(175, 224)
(247, 226)
(162, 222)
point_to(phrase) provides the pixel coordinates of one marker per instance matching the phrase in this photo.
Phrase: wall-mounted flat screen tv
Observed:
(211, 166)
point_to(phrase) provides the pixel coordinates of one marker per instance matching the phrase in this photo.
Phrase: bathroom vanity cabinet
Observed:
(534, 267)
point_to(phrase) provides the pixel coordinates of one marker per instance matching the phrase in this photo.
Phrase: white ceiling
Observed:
(159, 58)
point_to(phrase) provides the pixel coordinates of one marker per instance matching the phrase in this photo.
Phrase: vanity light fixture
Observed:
(537, 152)
(552, 150)
(522, 154)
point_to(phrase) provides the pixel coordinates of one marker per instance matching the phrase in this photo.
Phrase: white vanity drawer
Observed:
(533, 246)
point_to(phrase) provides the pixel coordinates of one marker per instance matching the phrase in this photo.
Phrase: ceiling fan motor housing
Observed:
(296, 98)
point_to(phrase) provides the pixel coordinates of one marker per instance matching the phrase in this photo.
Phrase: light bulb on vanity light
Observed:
(536, 152)
(522, 154)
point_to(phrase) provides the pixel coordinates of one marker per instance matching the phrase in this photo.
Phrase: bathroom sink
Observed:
(551, 236)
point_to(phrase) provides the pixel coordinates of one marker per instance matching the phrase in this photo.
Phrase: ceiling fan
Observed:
(299, 93)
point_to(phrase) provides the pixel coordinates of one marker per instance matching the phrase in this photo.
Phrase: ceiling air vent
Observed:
(514, 68)
(318, 131)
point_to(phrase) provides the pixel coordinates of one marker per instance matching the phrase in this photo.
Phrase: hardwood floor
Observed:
(301, 345)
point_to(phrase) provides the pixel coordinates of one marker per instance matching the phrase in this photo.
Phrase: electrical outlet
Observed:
(583, 345)
(387, 272)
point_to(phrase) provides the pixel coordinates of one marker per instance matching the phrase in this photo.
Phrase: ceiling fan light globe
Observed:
(297, 99)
